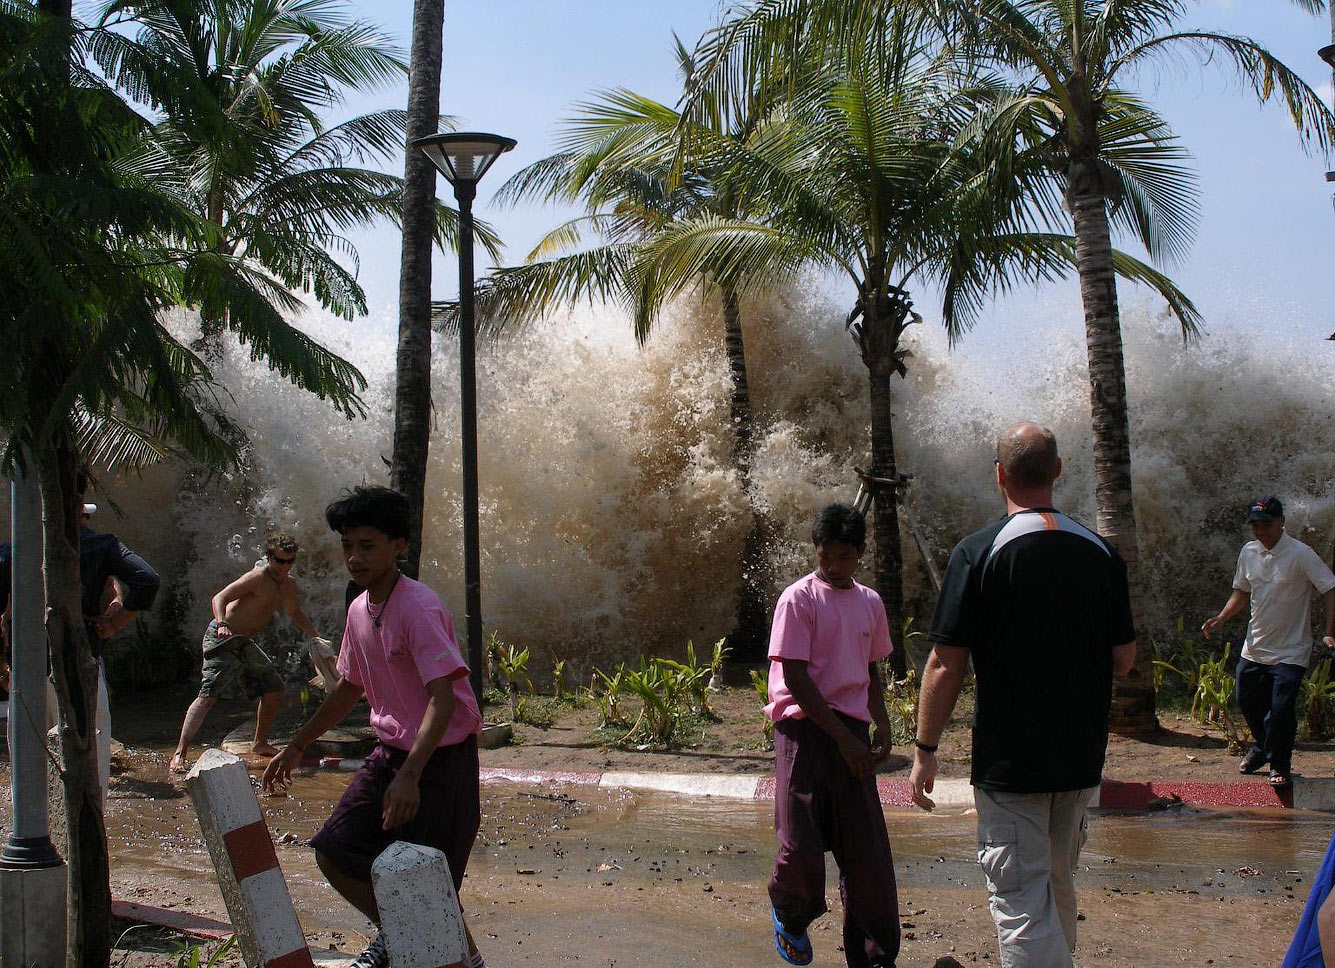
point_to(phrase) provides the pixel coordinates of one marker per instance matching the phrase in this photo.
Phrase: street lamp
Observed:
(464, 158)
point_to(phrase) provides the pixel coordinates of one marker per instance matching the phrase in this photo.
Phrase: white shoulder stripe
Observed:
(1034, 522)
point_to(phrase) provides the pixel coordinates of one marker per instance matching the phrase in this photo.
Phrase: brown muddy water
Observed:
(579, 875)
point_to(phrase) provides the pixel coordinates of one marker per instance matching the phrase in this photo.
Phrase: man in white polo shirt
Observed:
(1276, 574)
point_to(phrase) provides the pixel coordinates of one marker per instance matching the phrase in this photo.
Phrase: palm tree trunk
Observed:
(1133, 708)
(889, 559)
(748, 640)
(75, 673)
(412, 382)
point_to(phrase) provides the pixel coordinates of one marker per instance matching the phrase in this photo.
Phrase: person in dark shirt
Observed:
(1040, 603)
(108, 572)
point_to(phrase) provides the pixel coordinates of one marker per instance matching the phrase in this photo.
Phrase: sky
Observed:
(1262, 258)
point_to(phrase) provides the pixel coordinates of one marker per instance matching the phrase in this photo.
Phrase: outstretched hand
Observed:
(278, 774)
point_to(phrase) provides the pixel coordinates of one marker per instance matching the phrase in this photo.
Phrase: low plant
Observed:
(189, 954)
(907, 633)
(606, 692)
(660, 685)
(512, 663)
(1318, 702)
(901, 702)
(695, 678)
(721, 653)
(1214, 693)
(1185, 659)
(760, 683)
(558, 679)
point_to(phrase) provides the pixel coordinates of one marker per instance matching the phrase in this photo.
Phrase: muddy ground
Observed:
(581, 876)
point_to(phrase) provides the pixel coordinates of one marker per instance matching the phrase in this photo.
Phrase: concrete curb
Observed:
(1316, 793)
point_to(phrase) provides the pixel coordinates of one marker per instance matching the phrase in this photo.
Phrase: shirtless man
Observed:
(232, 661)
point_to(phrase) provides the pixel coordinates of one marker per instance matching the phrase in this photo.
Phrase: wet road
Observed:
(585, 876)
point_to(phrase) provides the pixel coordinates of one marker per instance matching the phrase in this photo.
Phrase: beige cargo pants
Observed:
(1028, 847)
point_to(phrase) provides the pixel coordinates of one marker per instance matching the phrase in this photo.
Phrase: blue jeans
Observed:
(1268, 698)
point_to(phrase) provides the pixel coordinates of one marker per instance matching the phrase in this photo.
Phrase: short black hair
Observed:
(382, 508)
(842, 523)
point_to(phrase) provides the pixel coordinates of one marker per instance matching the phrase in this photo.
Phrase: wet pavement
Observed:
(602, 877)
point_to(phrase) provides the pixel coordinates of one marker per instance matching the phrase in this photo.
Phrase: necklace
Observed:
(271, 578)
(376, 616)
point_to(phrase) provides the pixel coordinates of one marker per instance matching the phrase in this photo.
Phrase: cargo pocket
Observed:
(998, 858)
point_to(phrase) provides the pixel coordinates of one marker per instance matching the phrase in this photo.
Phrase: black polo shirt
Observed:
(1040, 600)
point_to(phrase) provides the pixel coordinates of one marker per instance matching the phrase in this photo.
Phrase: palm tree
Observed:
(1089, 144)
(884, 179)
(99, 238)
(412, 380)
(241, 87)
(619, 159)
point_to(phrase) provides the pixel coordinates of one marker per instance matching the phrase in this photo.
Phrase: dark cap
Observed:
(1265, 508)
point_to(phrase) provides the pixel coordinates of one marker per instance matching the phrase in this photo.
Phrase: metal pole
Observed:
(29, 844)
(465, 192)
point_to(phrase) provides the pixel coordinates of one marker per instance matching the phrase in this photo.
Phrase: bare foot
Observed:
(178, 764)
(264, 749)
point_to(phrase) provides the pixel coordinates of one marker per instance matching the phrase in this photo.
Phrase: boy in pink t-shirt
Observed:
(825, 690)
(420, 784)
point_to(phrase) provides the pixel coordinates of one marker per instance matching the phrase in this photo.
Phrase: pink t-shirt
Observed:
(838, 632)
(414, 645)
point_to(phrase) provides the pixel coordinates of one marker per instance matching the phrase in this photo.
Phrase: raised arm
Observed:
(339, 702)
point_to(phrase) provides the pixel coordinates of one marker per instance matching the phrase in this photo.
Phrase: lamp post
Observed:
(464, 158)
(32, 875)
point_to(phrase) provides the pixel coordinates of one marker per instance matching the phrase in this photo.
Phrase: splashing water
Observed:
(612, 523)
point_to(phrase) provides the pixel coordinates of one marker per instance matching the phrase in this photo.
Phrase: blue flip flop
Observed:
(800, 945)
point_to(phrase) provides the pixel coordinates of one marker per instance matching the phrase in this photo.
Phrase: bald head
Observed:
(1028, 455)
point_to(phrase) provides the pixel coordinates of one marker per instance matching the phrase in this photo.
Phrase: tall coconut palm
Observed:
(241, 88)
(99, 241)
(885, 180)
(1086, 139)
(619, 159)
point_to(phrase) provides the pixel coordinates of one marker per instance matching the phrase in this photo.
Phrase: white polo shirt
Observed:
(1279, 582)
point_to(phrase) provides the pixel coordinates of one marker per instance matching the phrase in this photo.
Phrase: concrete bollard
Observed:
(252, 883)
(419, 911)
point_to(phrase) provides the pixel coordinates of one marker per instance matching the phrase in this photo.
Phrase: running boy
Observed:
(232, 661)
(420, 784)
(824, 690)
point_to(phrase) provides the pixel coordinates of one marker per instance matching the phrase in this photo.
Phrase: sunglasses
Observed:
(283, 561)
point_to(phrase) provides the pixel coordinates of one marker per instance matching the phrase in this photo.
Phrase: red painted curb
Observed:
(1153, 795)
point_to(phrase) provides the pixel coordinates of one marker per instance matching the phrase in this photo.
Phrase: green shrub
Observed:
(1318, 702)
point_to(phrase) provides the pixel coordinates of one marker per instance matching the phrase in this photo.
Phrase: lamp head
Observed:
(465, 156)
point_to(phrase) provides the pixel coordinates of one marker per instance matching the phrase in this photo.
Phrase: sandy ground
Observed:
(583, 876)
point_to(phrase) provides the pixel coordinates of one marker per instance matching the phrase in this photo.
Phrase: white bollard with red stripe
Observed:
(243, 854)
(419, 911)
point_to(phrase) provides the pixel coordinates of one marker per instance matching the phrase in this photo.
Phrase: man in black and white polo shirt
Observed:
(1277, 574)
(1041, 604)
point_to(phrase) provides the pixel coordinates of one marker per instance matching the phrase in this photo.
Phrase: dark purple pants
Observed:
(818, 806)
(447, 816)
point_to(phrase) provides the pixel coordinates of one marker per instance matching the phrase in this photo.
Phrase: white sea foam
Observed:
(612, 521)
